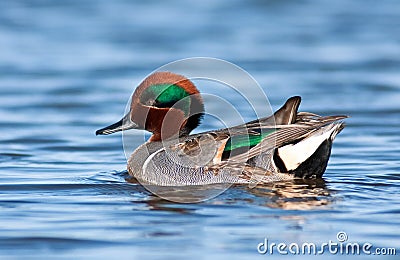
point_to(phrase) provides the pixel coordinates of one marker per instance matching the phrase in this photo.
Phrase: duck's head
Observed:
(165, 104)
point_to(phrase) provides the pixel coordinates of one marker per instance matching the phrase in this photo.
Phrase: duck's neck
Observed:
(196, 115)
(191, 124)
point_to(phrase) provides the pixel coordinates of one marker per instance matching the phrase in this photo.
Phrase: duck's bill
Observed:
(122, 125)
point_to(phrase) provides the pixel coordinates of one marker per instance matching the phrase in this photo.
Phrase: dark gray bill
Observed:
(123, 124)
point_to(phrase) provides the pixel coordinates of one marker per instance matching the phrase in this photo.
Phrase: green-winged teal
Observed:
(286, 145)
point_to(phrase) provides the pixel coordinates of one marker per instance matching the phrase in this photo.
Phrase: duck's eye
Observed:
(149, 102)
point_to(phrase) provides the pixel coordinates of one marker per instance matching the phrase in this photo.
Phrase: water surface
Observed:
(68, 68)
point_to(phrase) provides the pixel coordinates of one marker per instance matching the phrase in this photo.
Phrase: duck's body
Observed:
(284, 146)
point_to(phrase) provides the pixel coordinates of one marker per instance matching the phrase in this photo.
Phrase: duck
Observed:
(286, 145)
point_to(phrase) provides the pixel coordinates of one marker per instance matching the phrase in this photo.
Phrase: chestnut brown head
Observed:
(165, 104)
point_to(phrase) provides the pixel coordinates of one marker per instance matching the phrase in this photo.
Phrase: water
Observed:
(67, 68)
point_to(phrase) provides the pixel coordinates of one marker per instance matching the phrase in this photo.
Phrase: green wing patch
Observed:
(246, 141)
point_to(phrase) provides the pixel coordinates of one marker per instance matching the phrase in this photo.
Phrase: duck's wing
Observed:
(233, 147)
(290, 134)
(285, 126)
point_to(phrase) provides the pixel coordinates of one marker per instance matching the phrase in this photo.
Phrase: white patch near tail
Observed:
(293, 155)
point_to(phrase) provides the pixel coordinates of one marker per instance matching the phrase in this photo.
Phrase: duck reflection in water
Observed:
(296, 194)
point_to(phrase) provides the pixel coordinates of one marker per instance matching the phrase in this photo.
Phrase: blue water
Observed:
(68, 68)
